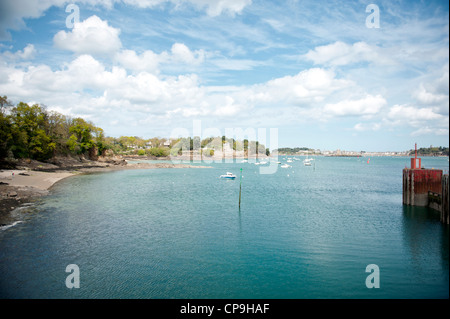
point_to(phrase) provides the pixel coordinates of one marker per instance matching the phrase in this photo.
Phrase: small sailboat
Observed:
(307, 161)
(228, 175)
(285, 166)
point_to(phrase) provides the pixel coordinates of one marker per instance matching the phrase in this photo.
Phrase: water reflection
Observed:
(427, 240)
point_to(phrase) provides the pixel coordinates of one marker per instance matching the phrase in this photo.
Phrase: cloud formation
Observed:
(340, 53)
(14, 13)
(234, 63)
(92, 36)
(27, 53)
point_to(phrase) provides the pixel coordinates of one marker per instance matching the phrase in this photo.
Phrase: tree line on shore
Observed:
(36, 133)
(431, 151)
(32, 131)
(293, 151)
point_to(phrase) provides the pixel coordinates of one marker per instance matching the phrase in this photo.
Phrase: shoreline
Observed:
(24, 185)
(23, 189)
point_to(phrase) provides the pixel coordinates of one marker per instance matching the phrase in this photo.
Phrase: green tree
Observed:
(101, 142)
(6, 136)
(29, 132)
(81, 139)
(206, 141)
(158, 151)
(245, 145)
(4, 104)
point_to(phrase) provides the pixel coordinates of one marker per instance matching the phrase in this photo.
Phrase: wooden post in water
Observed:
(240, 187)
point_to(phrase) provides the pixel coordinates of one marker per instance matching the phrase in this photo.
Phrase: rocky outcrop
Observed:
(78, 162)
(109, 157)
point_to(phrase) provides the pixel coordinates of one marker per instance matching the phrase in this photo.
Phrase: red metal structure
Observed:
(414, 164)
(418, 181)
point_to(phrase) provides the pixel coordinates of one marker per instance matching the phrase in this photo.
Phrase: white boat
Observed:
(261, 163)
(228, 175)
(307, 161)
(289, 161)
(244, 161)
(285, 166)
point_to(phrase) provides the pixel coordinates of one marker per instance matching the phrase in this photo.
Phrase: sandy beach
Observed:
(35, 179)
(19, 188)
(30, 180)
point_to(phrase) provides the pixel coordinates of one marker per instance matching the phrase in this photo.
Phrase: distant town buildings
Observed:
(343, 153)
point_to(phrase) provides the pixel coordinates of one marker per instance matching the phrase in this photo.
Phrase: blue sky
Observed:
(312, 69)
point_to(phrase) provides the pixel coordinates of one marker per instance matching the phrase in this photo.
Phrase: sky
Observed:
(350, 75)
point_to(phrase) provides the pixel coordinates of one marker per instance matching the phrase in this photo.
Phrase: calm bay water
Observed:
(303, 232)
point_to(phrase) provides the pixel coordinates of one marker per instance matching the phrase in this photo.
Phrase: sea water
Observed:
(302, 232)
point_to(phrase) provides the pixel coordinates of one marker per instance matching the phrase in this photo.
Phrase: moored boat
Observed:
(228, 175)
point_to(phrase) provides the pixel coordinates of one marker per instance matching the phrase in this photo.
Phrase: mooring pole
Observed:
(240, 187)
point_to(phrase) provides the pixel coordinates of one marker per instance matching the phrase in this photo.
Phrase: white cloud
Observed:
(14, 13)
(181, 53)
(92, 36)
(180, 57)
(134, 92)
(340, 53)
(311, 85)
(427, 97)
(430, 131)
(82, 75)
(147, 61)
(86, 87)
(27, 53)
(228, 107)
(90, 74)
(434, 92)
(369, 105)
(144, 3)
(424, 120)
(412, 114)
(213, 7)
(217, 7)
